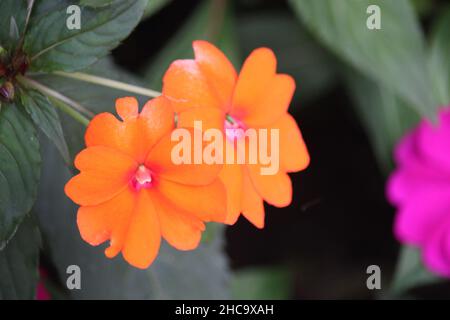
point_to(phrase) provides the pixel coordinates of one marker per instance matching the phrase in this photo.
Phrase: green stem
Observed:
(27, 20)
(109, 83)
(67, 105)
(69, 111)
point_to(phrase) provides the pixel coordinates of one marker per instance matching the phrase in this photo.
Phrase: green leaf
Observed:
(46, 118)
(52, 46)
(19, 263)
(202, 273)
(154, 6)
(440, 58)
(94, 97)
(12, 13)
(19, 169)
(393, 56)
(95, 3)
(410, 272)
(385, 117)
(263, 283)
(198, 27)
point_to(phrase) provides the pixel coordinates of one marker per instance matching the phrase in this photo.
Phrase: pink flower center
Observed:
(234, 129)
(142, 178)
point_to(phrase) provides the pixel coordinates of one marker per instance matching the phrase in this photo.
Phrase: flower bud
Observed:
(7, 91)
(20, 63)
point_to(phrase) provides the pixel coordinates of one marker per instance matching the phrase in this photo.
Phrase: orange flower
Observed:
(131, 193)
(209, 89)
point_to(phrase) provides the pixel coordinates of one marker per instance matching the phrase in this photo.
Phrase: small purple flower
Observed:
(420, 189)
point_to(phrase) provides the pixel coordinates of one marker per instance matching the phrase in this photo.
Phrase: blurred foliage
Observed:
(153, 6)
(393, 56)
(263, 283)
(410, 273)
(385, 116)
(19, 262)
(440, 58)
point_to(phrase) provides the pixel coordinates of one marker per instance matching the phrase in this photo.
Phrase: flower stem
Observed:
(70, 111)
(67, 105)
(27, 20)
(109, 83)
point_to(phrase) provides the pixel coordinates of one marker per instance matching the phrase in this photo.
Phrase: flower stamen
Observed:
(142, 178)
(234, 129)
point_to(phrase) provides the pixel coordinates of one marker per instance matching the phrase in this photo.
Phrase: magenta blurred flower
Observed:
(420, 188)
(41, 291)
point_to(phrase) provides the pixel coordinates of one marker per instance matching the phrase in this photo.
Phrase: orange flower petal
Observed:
(156, 120)
(108, 220)
(231, 176)
(104, 173)
(209, 117)
(143, 237)
(294, 155)
(252, 203)
(253, 84)
(160, 161)
(88, 189)
(179, 228)
(106, 130)
(217, 69)
(104, 161)
(208, 203)
(136, 135)
(127, 107)
(275, 189)
(187, 87)
(272, 104)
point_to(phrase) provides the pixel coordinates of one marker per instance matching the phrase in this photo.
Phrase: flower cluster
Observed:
(132, 193)
(420, 188)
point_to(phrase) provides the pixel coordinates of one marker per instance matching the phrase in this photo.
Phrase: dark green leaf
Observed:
(46, 118)
(19, 262)
(440, 58)
(272, 283)
(12, 12)
(19, 169)
(95, 3)
(52, 46)
(94, 97)
(393, 56)
(410, 272)
(385, 117)
(14, 34)
(153, 6)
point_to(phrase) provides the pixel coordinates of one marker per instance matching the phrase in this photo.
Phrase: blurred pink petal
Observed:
(41, 292)
(420, 189)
